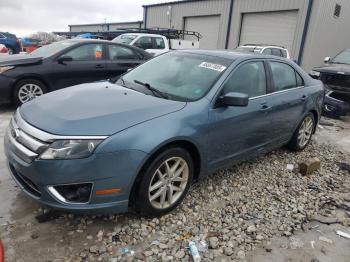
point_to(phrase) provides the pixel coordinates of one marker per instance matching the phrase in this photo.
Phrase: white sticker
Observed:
(212, 66)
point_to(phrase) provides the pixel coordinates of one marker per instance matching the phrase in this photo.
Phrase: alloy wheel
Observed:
(28, 92)
(305, 131)
(168, 183)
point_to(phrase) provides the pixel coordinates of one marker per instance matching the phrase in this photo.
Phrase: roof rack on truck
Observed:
(109, 35)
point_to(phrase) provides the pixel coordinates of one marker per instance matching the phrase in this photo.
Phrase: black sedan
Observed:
(62, 64)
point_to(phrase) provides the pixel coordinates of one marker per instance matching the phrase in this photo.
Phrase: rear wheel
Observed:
(27, 90)
(164, 183)
(10, 51)
(303, 134)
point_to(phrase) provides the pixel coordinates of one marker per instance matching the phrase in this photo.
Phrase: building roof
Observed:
(173, 2)
(115, 23)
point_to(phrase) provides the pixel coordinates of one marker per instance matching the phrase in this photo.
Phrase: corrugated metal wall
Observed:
(327, 35)
(157, 15)
(253, 6)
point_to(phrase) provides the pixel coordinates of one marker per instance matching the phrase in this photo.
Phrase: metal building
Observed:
(103, 27)
(310, 29)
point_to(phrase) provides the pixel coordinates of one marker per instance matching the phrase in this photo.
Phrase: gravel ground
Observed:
(233, 211)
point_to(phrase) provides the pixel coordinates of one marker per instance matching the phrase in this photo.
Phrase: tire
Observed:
(26, 90)
(305, 127)
(11, 51)
(149, 202)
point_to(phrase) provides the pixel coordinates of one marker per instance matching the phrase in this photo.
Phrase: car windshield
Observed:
(342, 58)
(51, 49)
(124, 39)
(179, 75)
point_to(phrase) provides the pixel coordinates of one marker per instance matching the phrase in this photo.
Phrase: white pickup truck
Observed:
(155, 44)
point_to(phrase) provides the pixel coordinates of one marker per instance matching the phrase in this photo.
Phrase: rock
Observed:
(325, 239)
(94, 249)
(241, 254)
(163, 246)
(180, 254)
(148, 253)
(251, 229)
(268, 249)
(309, 166)
(213, 242)
(228, 251)
(259, 237)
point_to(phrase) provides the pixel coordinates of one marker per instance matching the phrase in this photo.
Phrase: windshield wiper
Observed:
(155, 91)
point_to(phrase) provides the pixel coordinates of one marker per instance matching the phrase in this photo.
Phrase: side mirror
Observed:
(235, 99)
(327, 59)
(64, 58)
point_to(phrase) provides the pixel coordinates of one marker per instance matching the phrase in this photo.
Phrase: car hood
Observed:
(342, 69)
(99, 108)
(13, 60)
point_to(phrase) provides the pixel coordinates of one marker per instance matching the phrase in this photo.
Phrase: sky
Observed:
(23, 17)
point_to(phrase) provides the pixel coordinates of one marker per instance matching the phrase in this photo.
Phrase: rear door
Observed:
(88, 64)
(288, 99)
(121, 58)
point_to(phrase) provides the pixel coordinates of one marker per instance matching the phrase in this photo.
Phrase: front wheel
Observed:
(164, 183)
(303, 134)
(27, 90)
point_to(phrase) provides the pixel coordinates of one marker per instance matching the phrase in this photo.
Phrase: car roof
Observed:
(228, 54)
(231, 54)
(261, 46)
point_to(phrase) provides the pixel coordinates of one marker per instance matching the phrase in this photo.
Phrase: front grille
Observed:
(26, 183)
(337, 80)
(23, 144)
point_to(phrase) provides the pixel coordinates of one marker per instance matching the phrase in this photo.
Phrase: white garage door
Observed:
(277, 28)
(208, 26)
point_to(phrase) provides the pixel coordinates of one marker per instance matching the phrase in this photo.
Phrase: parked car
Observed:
(3, 49)
(11, 42)
(335, 74)
(264, 49)
(140, 142)
(63, 64)
(155, 44)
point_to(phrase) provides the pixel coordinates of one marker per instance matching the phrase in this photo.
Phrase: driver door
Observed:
(88, 64)
(236, 132)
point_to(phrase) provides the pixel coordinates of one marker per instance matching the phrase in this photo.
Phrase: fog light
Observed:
(73, 193)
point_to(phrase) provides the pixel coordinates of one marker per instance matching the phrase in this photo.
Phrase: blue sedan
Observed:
(137, 142)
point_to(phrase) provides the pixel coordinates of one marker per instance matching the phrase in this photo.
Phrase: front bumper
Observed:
(6, 84)
(105, 171)
(333, 106)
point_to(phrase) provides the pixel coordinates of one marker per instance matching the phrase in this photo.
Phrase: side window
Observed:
(284, 53)
(144, 42)
(284, 76)
(276, 52)
(267, 51)
(300, 81)
(2, 36)
(117, 52)
(249, 78)
(89, 52)
(159, 43)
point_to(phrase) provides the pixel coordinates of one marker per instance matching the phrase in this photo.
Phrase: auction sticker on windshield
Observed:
(212, 66)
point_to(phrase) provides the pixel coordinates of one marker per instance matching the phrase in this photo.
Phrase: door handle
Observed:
(265, 108)
(99, 66)
(303, 98)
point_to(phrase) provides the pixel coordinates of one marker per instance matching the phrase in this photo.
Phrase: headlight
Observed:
(314, 73)
(3, 69)
(70, 149)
